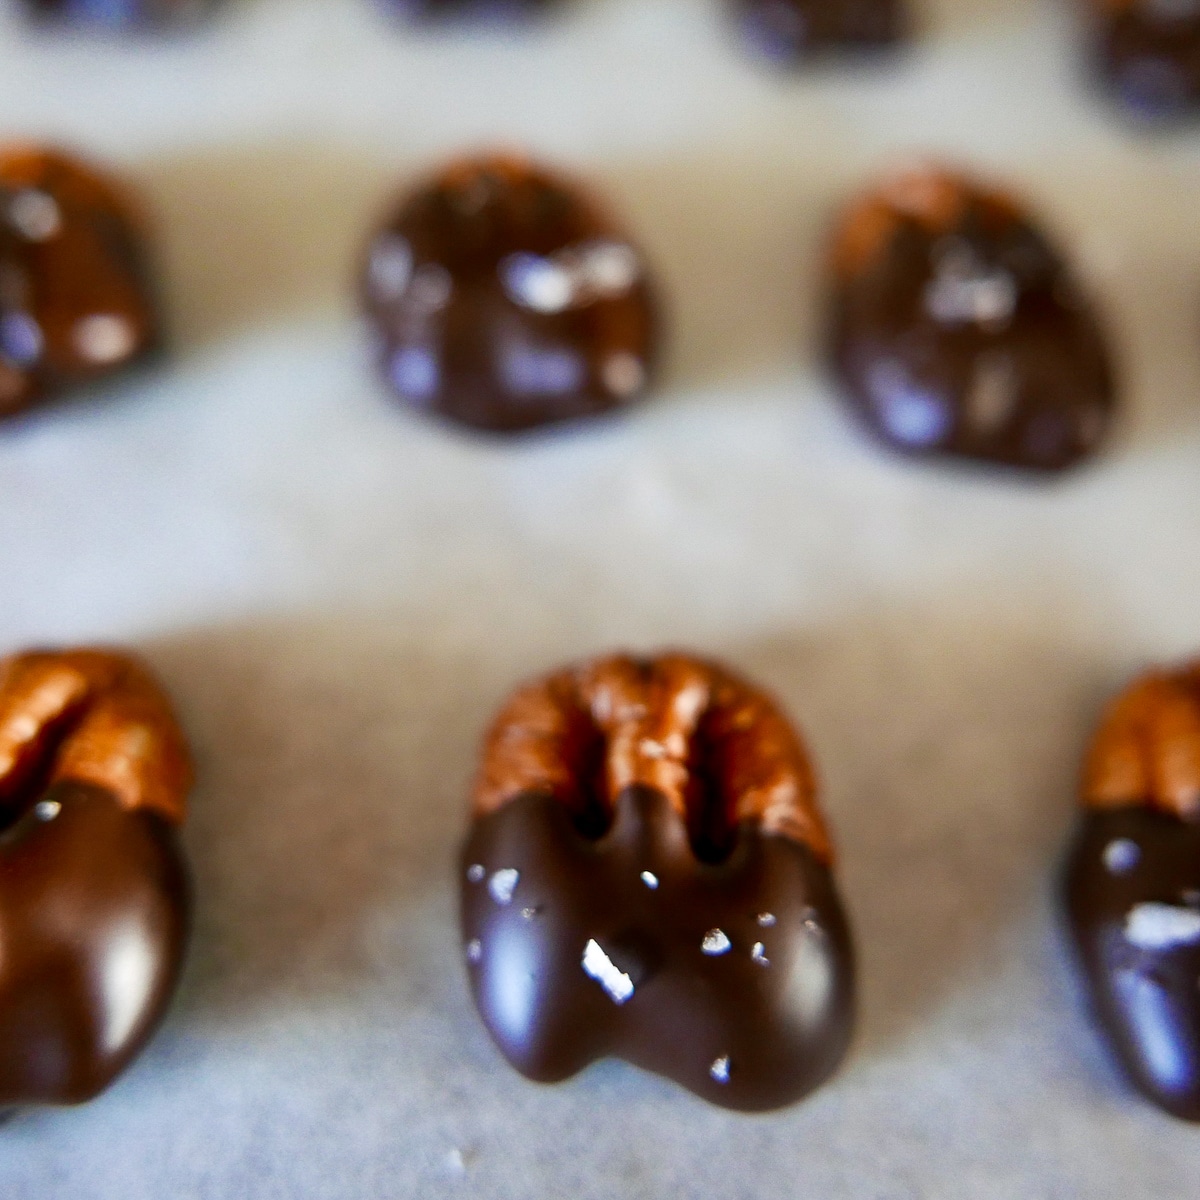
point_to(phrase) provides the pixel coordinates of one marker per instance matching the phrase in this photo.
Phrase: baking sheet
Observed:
(339, 595)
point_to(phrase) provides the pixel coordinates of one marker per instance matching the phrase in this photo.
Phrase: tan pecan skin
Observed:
(74, 273)
(1146, 750)
(91, 716)
(932, 196)
(674, 723)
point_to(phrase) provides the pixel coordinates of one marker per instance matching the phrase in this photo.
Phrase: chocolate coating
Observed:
(122, 14)
(791, 31)
(956, 328)
(1148, 53)
(753, 1027)
(1132, 896)
(94, 916)
(503, 298)
(648, 877)
(76, 303)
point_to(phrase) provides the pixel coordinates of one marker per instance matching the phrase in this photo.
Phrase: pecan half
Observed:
(718, 749)
(77, 299)
(1147, 748)
(95, 717)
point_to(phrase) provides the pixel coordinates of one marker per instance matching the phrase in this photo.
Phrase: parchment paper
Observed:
(339, 594)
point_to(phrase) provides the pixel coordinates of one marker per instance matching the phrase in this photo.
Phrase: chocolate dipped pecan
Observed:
(1132, 885)
(94, 893)
(957, 328)
(76, 300)
(648, 876)
(1148, 53)
(503, 297)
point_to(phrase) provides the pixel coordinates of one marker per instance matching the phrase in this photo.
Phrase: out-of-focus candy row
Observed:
(501, 297)
(647, 875)
(1146, 51)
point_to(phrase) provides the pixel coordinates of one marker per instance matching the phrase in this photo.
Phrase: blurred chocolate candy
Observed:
(1132, 885)
(503, 298)
(794, 30)
(957, 328)
(76, 303)
(1148, 53)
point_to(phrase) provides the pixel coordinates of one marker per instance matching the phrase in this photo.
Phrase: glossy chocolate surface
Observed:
(76, 304)
(648, 876)
(957, 329)
(796, 30)
(94, 905)
(121, 14)
(1148, 53)
(1132, 894)
(734, 979)
(503, 298)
